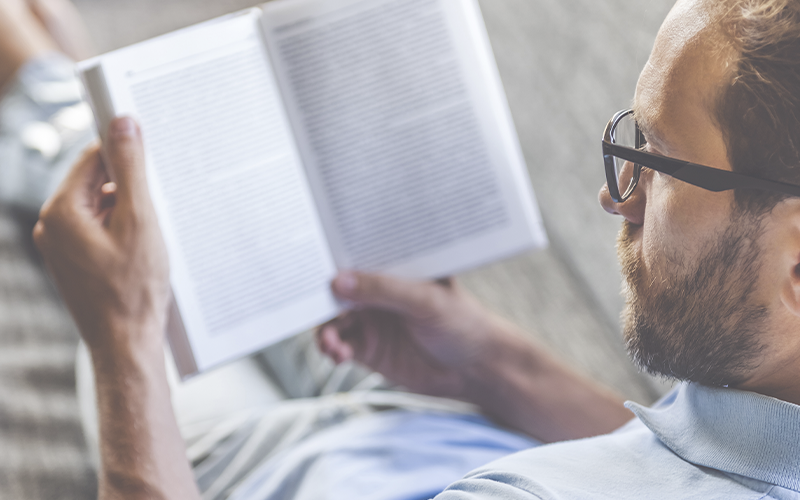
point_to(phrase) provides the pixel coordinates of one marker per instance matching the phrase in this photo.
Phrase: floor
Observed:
(567, 66)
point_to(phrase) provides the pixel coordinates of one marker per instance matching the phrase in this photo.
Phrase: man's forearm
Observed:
(142, 453)
(522, 386)
(101, 243)
(22, 38)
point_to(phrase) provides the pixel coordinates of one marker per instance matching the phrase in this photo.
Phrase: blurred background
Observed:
(567, 66)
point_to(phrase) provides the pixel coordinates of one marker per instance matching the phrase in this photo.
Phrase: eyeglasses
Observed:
(624, 159)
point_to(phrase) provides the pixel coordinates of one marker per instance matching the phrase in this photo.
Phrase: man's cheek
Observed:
(651, 256)
(655, 244)
(672, 228)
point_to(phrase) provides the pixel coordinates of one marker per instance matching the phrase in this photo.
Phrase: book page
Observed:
(250, 264)
(405, 133)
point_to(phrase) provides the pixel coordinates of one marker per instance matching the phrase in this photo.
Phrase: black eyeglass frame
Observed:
(709, 178)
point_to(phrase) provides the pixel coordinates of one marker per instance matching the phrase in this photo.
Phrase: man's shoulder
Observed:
(632, 463)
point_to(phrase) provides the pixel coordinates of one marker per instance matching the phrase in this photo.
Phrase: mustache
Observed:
(626, 251)
(626, 233)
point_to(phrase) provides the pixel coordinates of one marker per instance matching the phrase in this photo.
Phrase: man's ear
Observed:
(790, 294)
(790, 257)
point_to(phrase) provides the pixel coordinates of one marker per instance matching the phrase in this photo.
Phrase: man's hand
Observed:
(424, 336)
(102, 244)
(435, 339)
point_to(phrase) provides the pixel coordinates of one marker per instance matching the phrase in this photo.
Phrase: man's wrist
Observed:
(525, 387)
(122, 343)
(505, 355)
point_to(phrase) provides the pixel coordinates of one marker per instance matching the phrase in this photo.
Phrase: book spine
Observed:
(99, 98)
(179, 344)
(94, 82)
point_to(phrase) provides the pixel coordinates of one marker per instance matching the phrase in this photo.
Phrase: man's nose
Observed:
(632, 209)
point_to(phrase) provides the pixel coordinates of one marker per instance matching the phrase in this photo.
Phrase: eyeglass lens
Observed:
(625, 134)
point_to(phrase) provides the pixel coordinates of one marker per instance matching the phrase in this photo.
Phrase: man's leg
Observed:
(298, 368)
(64, 24)
(210, 406)
(240, 451)
(44, 124)
(22, 38)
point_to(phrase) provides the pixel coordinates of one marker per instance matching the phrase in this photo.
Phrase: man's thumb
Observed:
(125, 154)
(384, 292)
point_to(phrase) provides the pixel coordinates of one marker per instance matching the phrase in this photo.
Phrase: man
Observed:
(713, 296)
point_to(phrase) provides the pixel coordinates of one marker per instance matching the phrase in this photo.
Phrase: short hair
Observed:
(758, 109)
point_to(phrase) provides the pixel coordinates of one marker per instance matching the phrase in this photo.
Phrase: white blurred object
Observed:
(63, 128)
(56, 92)
(44, 126)
(72, 123)
(77, 117)
(43, 138)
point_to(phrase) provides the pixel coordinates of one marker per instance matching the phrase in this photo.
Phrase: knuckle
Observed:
(321, 329)
(134, 222)
(46, 211)
(385, 288)
(39, 235)
(91, 153)
(369, 287)
(431, 302)
(48, 219)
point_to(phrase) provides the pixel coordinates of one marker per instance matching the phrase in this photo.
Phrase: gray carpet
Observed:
(567, 66)
(42, 454)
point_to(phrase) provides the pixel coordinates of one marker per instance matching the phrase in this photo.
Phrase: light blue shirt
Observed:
(698, 442)
(389, 455)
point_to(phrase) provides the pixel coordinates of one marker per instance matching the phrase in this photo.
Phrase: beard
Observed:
(701, 322)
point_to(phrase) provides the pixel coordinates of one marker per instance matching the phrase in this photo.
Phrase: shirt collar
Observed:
(730, 430)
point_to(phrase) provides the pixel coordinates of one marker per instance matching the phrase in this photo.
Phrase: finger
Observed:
(338, 337)
(86, 175)
(368, 351)
(40, 237)
(109, 188)
(448, 282)
(107, 202)
(74, 212)
(125, 152)
(333, 346)
(76, 198)
(342, 322)
(320, 337)
(348, 325)
(393, 294)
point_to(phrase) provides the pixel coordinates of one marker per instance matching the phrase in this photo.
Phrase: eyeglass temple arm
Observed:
(712, 179)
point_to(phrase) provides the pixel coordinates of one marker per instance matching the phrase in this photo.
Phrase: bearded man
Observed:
(705, 171)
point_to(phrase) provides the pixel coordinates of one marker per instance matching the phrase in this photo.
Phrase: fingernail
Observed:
(346, 283)
(123, 127)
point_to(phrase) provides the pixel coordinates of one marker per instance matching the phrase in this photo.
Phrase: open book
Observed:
(305, 136)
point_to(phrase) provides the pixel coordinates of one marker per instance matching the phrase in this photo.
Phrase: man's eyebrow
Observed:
(648, 128)
(641, 119)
